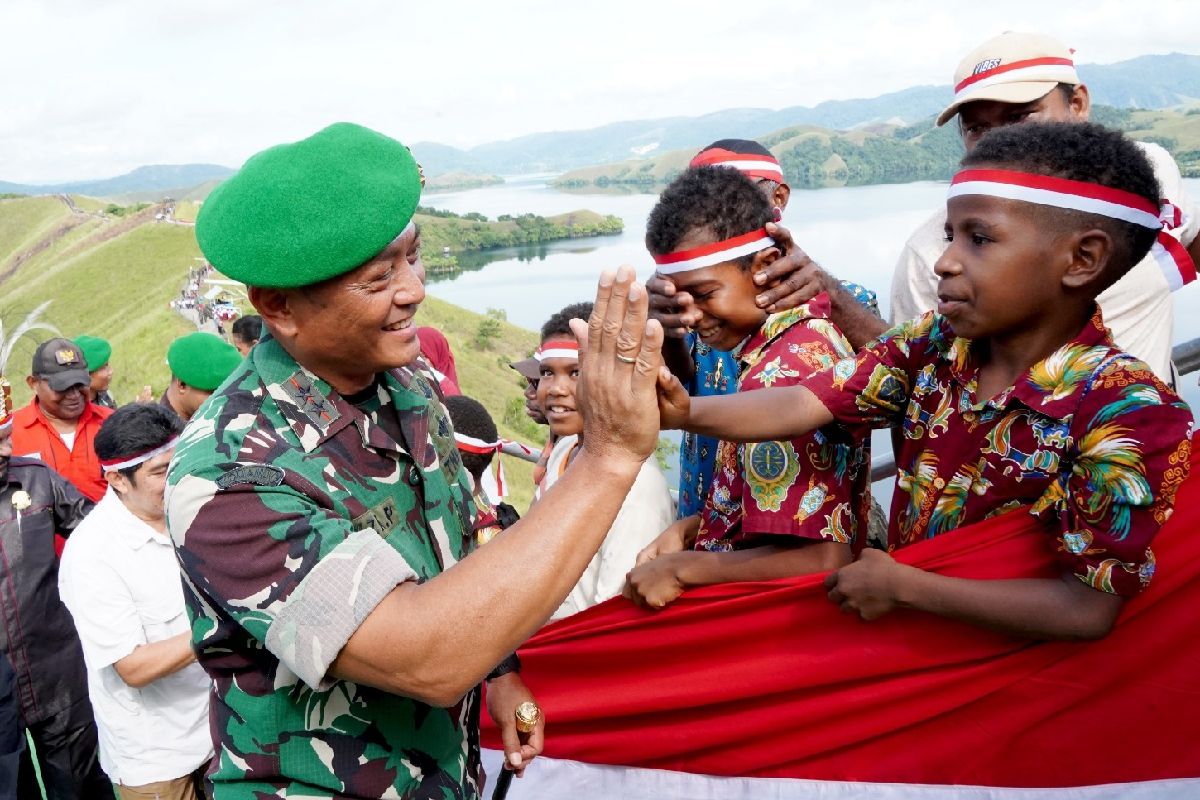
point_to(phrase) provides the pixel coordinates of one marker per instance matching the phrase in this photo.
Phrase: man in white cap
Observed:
(1021, 77)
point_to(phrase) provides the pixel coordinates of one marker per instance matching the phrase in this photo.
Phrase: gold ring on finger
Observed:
(626, 359)
(528, 716)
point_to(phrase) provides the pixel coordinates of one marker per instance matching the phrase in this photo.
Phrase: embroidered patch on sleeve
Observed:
(251, 475)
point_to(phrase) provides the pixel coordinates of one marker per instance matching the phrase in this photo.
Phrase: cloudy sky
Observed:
(93, 89)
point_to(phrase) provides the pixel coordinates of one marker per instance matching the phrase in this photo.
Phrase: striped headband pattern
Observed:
(557, 348)
(754, 165)
(470, 444)
(715, 253)
(1091, 198)
(125, 462)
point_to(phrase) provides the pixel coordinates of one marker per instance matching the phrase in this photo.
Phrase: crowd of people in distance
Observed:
(1026, 366)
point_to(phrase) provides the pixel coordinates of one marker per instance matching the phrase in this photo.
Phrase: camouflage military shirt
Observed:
(293, 513)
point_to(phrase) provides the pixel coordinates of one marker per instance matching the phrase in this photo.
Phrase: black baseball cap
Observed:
(61, 363)
(530, 368)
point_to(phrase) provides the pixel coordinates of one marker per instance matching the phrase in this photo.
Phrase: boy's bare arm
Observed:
(759, 416)
(761, 563)
(1035, 608)
(659, 581)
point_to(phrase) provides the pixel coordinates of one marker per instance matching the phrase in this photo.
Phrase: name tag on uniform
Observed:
(382, 518)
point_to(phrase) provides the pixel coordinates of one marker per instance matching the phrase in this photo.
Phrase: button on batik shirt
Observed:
(293, 513)
(812, 487)
(1089, 440)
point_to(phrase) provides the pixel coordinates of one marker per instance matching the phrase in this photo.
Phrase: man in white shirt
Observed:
(1020, 77)
(121, 582)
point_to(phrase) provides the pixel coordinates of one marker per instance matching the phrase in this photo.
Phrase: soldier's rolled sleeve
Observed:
(313, 625)
(289, 570)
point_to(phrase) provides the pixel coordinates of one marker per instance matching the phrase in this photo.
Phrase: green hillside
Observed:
(115, 276)
(814, 157)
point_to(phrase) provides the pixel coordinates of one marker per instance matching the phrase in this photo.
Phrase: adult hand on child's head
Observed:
(676, 311)
(791, 279)
(869, 587)
(620, 355)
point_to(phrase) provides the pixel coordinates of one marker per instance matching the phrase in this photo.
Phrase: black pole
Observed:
(502, 784)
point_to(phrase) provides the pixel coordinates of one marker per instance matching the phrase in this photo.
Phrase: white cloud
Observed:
(94, 89)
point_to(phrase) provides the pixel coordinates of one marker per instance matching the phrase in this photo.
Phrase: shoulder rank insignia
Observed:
(251, 475)
(309, 399)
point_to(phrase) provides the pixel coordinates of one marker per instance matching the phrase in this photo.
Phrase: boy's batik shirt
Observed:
(813, 487)
(1089, 440)
(716, 374)
(293, 513)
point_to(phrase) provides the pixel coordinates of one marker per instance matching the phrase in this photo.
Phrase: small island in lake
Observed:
(459, 181)
(444, 233)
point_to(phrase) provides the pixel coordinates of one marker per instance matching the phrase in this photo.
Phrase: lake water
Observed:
(856, 232)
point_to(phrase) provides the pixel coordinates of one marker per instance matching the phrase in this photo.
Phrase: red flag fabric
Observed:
(771, 680)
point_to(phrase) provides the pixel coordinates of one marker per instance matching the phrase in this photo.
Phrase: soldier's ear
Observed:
(275, 307)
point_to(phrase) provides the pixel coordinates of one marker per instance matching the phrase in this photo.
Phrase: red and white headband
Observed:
(141, 458)
(1047, 70)
(557, 348)
(469, 444)
(1090, 198)
(715, 253)
(753, 165)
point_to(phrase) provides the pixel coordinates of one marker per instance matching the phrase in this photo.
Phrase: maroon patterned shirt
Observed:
(813, 487)
(1089, 440)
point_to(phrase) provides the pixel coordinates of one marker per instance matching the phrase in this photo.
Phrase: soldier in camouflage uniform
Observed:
(321, 513)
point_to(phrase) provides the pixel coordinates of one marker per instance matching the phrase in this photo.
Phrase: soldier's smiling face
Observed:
(349, 328)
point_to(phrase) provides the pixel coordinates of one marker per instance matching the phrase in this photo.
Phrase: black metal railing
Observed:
(1187, 357)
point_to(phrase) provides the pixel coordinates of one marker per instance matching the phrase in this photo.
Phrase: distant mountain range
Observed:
(157, 178)
(1148, 82)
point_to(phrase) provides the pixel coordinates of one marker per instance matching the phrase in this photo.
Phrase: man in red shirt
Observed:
(60, 423)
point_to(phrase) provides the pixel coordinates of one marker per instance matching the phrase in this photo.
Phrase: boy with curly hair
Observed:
(1012, 394)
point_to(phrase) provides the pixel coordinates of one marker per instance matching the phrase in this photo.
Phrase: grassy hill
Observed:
(814, 157)
(114, 276)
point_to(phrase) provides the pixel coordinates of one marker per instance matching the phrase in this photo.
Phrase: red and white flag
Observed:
(766, 690)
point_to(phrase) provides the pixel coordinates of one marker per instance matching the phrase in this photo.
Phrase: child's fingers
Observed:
(649, 357)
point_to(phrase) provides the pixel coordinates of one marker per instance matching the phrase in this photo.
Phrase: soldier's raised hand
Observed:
(620, 354)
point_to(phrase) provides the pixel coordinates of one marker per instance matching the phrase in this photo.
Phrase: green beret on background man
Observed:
(97, 352)
(320, 511)
(199, 363)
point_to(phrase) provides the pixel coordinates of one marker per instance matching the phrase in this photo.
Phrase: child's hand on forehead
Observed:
(676, 311)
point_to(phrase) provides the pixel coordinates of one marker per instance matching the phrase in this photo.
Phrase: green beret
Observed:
(202, 360)
(96, 351)
(300, 213)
